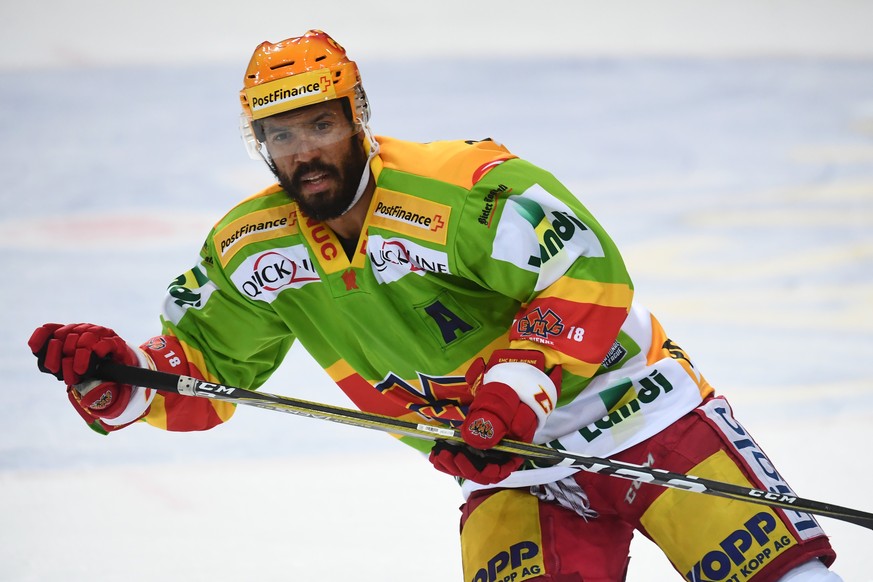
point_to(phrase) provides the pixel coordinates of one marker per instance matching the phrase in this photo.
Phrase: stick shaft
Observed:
(189, 386)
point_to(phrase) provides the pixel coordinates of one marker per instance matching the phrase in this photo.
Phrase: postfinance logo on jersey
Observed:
(253, 227)
(412, 216)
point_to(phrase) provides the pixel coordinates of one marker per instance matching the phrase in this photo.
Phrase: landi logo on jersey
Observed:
(415, 217)
(650, 389)
(263, 276)
(257, 226)
(555, 230)
(289, 92)
(393, 258)
(560, 234)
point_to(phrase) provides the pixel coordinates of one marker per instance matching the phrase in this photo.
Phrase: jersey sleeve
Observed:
(525, 235)
(210, 331)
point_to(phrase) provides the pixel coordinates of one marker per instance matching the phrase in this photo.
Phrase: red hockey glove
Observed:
(71, 352)
(481, 466)
(512, 397)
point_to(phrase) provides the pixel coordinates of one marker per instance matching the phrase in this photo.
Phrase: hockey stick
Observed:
(189, 386)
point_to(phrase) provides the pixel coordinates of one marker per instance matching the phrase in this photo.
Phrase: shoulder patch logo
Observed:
(490, 201)
(540, 327)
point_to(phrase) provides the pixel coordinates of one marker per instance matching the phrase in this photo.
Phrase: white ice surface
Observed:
(739, 184)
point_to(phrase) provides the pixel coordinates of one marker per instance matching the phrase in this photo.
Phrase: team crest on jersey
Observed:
(102, 402)
(442, 398)
(540, 326)
(482, 428)
(157, 343)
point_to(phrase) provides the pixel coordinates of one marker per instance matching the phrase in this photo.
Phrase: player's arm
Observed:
(551, 254)
(209, 332)
(212, 332)
(548, 252)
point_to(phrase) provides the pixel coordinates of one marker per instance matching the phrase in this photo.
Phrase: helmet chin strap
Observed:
(365, 176)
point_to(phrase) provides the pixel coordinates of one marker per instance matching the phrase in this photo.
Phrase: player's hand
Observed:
(512, 398)
(481, 466)
(71, 353)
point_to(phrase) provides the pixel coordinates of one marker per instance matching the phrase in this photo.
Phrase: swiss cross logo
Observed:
(437, 223)
(325, 83)
(540, 325)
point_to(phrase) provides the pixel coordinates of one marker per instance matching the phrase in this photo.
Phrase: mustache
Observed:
(314, 166)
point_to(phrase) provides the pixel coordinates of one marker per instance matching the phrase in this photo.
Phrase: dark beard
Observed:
(348, 177)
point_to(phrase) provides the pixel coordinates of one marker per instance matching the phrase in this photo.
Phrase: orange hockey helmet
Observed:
(297, 72)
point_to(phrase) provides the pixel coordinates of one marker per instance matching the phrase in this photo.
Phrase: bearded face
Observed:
(318, 157)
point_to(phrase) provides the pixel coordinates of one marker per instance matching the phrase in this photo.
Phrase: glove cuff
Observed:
(131, 404)
(140, 397)
(533, 386)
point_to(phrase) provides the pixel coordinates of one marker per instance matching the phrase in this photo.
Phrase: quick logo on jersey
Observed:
(415, 217)
(743, 552)
(394, 258)
(289, 93)
(257, 226)
(263, 276)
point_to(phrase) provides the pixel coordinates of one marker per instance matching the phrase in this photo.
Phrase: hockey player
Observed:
(452, 283)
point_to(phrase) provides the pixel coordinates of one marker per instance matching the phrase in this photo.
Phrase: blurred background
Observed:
(727, 147)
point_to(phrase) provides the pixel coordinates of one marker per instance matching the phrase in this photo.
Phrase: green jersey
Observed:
(466, 249)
